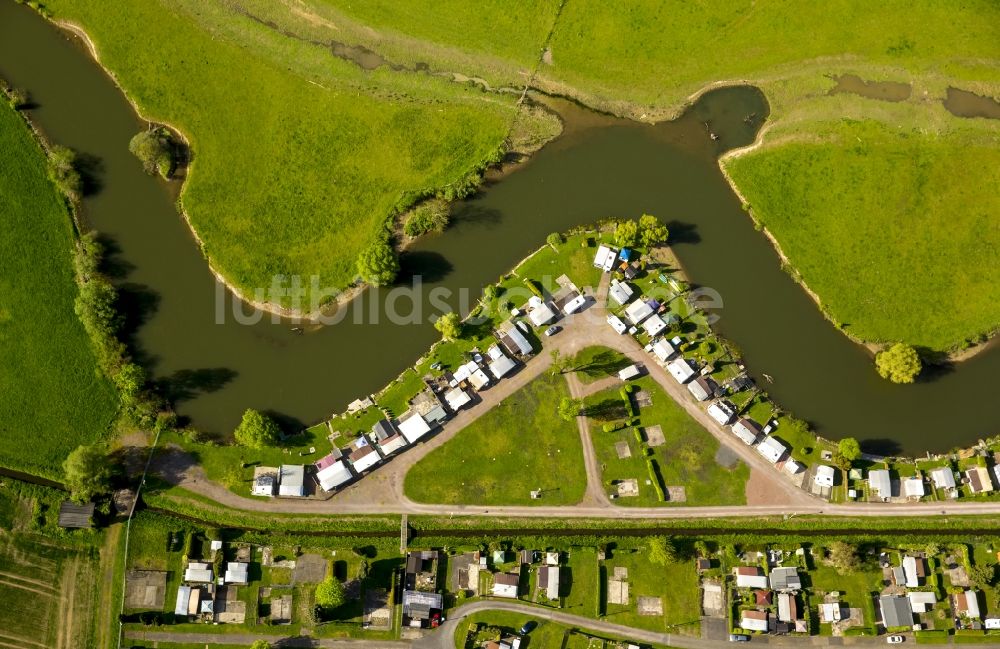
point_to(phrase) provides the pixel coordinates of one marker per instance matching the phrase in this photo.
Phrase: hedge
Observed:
(654, 476)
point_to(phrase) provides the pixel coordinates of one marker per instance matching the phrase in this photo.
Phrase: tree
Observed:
(155, 149)
(429, 216)
(378, 264)
(256, 430)
(662, 551)
(569, 408)
(329, 593)
(63, 172)
(554, 239)
(450, 326)
(844, 557)
(900, 363)
(626, 233)
(17, 97)
(983, 575)
(130, 379)
(651, 231)
(260, 644)
(87, 473)
(849, 449)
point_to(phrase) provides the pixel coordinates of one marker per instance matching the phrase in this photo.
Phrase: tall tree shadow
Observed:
(184, 385)
(429, 266)
(91, 170)
(681, 232)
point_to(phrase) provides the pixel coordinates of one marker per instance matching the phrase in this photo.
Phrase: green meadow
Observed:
(52, 397)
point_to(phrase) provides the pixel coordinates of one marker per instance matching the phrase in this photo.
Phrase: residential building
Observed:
(702, 388)
(771, 449)
(237, 572)
(830, 612)
(681, 370)
(746, 429)
(824, 476)
(422, 609)
(788, 610)
(913, 487)
(332, 473)
(505, 584)
(754, 620)
(456, 398)
(914, 570)
(363, 456)
(198, 572)
(979, 479)
(880, 483)
(723, 412)
(921, 601)
(552, 558)
(605, 258)
(548, 580)
(654, 324)
(620, 292)
(638, 311)
(794, 468)
(785, 579)
(512, 338)
(629, 372)
(896, 611)
(967, 604)
(750, 577)
(763, 597)
(574, 305)
(383, 430)
(292, 480)
(390, 445)
(264, 482)
(183, 601)
(540, 313)
(413, 427)
(663, 350)
(616, 324)
(943, 478)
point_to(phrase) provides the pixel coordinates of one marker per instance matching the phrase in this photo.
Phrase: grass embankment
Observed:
(520, 445)
(899, 214)
(52, 397)
(300, 157)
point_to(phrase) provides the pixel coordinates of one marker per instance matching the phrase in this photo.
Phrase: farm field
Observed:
(520, 445)
(930, 252)
(52, 396)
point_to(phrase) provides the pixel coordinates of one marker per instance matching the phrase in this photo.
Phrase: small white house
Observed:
(722, 412)
(771, 449)
(913, 487)
(237, 572)
(616, 324)
(198, 572)
(747, 430)
(943, 478)
(413, 427)
(574, 305)
(654, 324)
(542, 314)
(880, 483)
(754, 620)
(502, 366)
(364, 456)
(456, 398)
(333, 475)
(605, 258)
(292, 480)
(620, 292)
(663, 350)
(629, 372)
(638, 311)
(681, 370)
(921, 601)
(824, 476)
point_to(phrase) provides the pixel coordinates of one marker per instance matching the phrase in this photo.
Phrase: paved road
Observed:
(381, 492)
(248, 639)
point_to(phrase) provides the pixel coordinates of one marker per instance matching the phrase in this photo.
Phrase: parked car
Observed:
(738, 637)
(553, 330)
(895, 639)
(528, 627)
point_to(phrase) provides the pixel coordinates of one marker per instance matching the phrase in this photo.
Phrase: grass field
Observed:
(676, 585)
(924, 270)
(520, 445)
(52, 397)
(686, 458)
(299, 156)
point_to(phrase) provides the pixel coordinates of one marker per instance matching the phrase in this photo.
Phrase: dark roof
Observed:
(76, 516)
(751, 424)
(507, 579)
(383, 430)
(896, 611)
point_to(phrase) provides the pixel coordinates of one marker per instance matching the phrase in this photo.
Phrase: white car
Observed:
(895, 639)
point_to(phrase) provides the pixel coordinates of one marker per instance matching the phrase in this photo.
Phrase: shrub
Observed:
(899, 364)
(429, 216)
(378, 264)
(256, 430)
(155, 148)
(63, 172)
(654, 477)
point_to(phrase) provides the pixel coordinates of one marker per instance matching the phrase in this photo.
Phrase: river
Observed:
(600, 167)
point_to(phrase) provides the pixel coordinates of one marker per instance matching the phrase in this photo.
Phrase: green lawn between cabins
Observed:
(687, 458)
(518, 446)
(52, 396)
(676, 584)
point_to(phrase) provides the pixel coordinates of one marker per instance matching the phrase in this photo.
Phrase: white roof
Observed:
(553, 588)
(494, 352)
(392, 444)
(602, 255)
(792, 467)
(742, 431)
(663, 350)
(502, 366)
(991, 622)
(913, 487)
(943, 477)
(971, 604)
(638, 311)
(541, 314)
(575, 304)
(771, 449)
(751, 581)
(785, 607)
(464, 372)
(620, 292)
(456, 398)
(236, 572)
(334, 475)
(366, 461)
(629, 372)
(830, 612)
(921, 601)
(654, 325)
(518, 339)
(413, 427)
(617, 324)
(824, 475)
(879, 481)
(291, 480)
(202, 575)
(183, 595)
(681, 370)
(910, 571)
(720, 412)
(263, 485)
(752, 624)
(698, 389)
(503, 590)
(479, 379)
